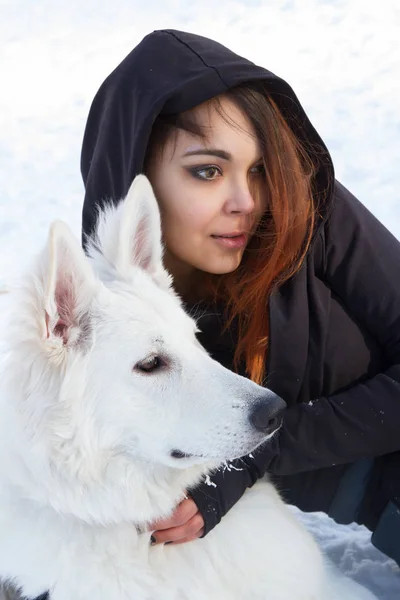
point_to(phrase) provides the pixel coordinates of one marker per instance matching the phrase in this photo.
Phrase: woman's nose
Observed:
(240, 200)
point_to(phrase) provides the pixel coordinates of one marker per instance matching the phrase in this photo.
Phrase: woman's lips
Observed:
(235, 241)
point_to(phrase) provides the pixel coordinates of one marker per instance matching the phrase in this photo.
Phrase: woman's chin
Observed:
(224, 268)
(223, 265)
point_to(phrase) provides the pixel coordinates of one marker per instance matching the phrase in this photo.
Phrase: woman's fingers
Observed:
(186, 524)
(181, 515)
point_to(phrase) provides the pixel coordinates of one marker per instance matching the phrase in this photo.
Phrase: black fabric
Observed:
(334, 345)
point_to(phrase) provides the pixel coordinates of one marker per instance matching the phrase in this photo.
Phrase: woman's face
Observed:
(211, 192)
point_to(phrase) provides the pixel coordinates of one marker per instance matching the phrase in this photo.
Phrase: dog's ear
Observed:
(140, 233)
(69, 286)
(130, 235)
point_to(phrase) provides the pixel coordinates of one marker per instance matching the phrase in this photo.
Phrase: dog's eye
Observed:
(150, 364)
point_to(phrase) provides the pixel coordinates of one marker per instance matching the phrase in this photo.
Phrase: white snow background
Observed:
(342, 57)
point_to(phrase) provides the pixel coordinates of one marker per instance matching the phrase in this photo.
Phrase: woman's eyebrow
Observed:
(210, 152)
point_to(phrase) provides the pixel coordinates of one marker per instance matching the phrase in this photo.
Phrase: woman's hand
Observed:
(184, 525)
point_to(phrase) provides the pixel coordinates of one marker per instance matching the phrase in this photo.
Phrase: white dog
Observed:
(109, 411)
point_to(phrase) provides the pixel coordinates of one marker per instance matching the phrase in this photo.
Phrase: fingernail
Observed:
(152, 540)
(165, 543)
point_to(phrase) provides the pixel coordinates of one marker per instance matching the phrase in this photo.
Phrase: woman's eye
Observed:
(206, 173)
(258, 169)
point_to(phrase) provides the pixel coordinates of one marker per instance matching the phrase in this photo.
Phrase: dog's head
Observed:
(123, 375)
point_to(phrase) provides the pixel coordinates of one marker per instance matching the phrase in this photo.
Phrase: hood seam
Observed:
(196, 54)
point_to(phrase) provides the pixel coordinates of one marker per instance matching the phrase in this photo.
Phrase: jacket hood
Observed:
(168, 72)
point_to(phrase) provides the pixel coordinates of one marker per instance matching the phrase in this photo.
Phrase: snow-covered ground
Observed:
(341, 56)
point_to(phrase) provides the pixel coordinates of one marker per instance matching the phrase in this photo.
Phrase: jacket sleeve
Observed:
(362, 266)
(216, 495)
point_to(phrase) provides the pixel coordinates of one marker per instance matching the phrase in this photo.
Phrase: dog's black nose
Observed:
(266, 414)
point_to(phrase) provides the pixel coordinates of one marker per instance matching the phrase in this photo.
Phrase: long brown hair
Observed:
(280, 243)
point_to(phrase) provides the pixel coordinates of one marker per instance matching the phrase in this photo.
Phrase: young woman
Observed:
(294, 283)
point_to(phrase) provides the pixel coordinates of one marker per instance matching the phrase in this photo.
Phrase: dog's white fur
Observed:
(86, 436)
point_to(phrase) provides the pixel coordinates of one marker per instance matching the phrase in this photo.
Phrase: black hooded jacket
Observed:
(334, 345)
